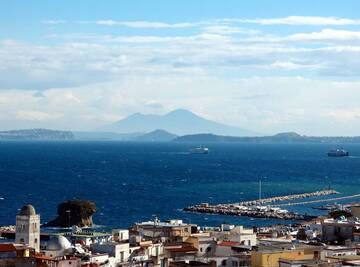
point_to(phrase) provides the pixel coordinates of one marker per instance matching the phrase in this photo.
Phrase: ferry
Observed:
(199, 150)
(338, 153)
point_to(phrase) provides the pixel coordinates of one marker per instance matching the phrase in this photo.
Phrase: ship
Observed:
(199, 150)
(338, 153)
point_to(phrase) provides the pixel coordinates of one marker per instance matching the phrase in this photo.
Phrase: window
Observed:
(22, 241)
(35, 241)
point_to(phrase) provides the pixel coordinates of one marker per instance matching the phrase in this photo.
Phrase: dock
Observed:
(260, 208)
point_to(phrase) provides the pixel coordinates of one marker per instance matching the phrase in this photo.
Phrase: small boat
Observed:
(199, 150)
(338, 153)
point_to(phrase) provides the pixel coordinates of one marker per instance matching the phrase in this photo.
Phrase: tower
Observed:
(28, 227)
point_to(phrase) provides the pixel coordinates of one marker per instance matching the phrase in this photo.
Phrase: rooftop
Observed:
(276, 246)
(228, 244)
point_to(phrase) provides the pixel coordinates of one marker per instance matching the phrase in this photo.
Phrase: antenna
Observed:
(259, 190)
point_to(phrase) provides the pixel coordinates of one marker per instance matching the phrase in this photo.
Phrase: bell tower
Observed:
(28, 227)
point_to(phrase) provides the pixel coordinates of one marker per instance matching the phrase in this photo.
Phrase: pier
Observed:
(256, 208)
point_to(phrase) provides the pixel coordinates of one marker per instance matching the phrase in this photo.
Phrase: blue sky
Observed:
(267, 66)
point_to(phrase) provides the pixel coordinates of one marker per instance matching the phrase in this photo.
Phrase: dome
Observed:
(58, 243)
(27, 210)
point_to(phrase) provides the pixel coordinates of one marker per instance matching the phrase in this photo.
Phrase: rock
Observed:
(74, 212)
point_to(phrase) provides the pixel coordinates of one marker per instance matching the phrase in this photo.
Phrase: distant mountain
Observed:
(156, 136)
(179, 122)
(288, 137)
(36, 134)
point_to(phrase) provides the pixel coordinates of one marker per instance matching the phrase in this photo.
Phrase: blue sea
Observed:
(132, 182)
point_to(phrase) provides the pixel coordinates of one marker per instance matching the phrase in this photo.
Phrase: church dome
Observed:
(27, 210)
(58, 243)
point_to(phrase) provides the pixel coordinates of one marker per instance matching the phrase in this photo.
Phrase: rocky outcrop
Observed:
(74, 212)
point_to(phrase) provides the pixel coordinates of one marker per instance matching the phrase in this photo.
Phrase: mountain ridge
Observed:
(179, 122)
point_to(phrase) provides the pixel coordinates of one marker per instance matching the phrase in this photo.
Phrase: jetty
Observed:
(260, 208)
(261, 201)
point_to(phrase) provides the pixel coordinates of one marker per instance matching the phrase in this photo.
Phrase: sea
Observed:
(134, 182)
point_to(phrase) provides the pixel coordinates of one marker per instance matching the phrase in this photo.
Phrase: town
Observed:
(332, 240)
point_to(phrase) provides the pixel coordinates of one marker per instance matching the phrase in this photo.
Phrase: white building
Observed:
(119, 251)
(57, 246)
(243, 236)
(28, 227)
(120, 235)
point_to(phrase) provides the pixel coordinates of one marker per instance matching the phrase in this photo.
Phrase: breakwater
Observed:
(257, 209)
(262, 201)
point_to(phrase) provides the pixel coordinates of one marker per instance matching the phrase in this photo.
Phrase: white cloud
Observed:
(346, 115)
(229, 30)
(146, 24)
(326, 34)
(299, 20)
(288, 65)
(34, 115)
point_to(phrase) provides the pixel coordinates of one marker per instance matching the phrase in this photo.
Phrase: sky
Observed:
(267, 66)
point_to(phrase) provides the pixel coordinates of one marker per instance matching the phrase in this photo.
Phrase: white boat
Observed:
(200, 150)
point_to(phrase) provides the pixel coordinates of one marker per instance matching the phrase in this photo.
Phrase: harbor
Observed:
(258, 208)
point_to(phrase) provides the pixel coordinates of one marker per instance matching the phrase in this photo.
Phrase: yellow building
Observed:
(268, 256)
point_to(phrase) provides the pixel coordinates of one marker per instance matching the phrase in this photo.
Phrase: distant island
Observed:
(160, 135)
(287, 137)
(36, 134)
(156, 136)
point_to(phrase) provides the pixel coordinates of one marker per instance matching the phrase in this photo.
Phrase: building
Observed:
(269, 254)
(306, 263)
(339, 230)
(355, 210)
(120, 235)
(243, 236)
(192, 264)
(118, 251)
(87, 237)
(235, 234)
(28, 227)
(335, 251)
(169, 231)
(57, 246)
